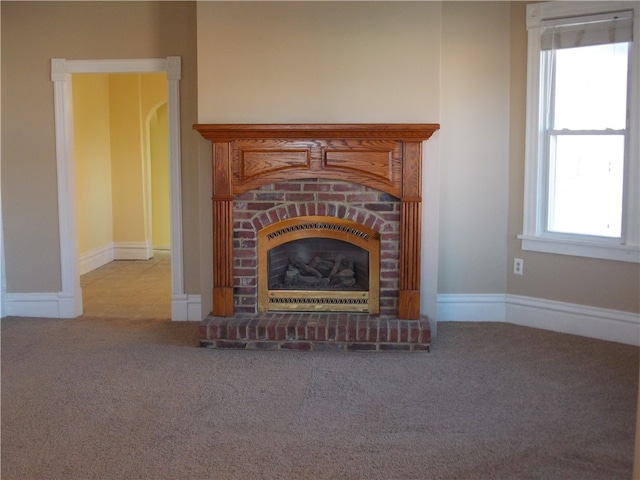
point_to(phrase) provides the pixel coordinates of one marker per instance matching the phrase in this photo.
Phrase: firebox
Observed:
(318, 263)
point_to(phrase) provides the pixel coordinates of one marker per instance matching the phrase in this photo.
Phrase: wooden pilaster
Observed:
(410, 232)
(222, 231)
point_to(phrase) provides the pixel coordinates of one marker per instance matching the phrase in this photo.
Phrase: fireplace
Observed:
(317, 252)
(318, 263)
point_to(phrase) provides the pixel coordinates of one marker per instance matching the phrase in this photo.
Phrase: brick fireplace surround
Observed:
(366, 173)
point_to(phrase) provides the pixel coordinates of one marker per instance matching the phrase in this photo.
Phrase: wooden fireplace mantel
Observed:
(387, 157)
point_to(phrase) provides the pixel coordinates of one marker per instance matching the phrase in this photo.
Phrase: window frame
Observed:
(535, 236)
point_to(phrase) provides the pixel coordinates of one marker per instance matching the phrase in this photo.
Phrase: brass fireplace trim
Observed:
(315, 226)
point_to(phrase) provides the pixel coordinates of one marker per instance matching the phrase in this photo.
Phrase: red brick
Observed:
(361, 346)
(203, 330)
(273, 216)
(291, 331)
(341, 331)
(328, 347)
(281, 330)
(244, 196)
(311, 330)
(269, 196)
(213, 332)
(316, 187)
(414, 332)
(244, 309)
(232, 332)
(260, 206)
(288, 186)
(249, 263)
(362, 197)
(301, 330)
(311, 208)
(393, 331)
(346, 187)
(263, 345)
(362, 331)
(321, 332)
(331, 197)
(296, 346)
(230, 344)
(404, 331)
(271, 329)
(395, 347)
(299, 197)
(242, 328)
(264, 217)
(383, 334)
(292, 210)
(425, 335)
(252, 329)
(374, 326)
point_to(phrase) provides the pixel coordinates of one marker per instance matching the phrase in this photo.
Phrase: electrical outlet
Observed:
(518, 266)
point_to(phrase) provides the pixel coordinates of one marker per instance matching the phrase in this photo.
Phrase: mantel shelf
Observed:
(319, 131)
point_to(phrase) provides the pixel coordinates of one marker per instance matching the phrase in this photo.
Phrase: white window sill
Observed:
(591, 249)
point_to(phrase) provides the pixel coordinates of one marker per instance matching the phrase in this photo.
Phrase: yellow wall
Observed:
(93, 161)
(113, 118)
(158, 144)
(156, 139)
(127, 166)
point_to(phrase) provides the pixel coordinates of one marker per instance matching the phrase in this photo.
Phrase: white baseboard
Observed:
(582, 320)
(600, 323)
(471, 308)
(46, 305)
(186, 308)
(96, 258)
(132, 251)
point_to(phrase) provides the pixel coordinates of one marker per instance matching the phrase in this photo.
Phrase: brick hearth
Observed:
(316, 332)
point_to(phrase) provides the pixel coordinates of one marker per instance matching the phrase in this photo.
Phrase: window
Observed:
(582, 172)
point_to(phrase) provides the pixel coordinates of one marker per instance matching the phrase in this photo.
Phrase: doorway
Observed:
(70, 303)
(122, 188)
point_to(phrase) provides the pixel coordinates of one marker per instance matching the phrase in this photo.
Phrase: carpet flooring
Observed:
(105, 398)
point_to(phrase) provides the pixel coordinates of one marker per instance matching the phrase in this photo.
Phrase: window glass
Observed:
(591, 87)
(586, 183)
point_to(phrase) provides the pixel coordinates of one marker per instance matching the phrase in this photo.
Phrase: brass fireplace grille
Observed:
(306, 300)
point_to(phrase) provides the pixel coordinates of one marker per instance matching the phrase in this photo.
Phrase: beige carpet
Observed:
(136, 399)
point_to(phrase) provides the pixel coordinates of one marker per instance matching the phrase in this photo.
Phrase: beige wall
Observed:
(584, 281)
(32, 34)
(305, 62)
(475, 141)
(286, 62)
(93, 161)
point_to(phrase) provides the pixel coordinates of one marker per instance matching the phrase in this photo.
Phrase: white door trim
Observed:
(61, 71)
